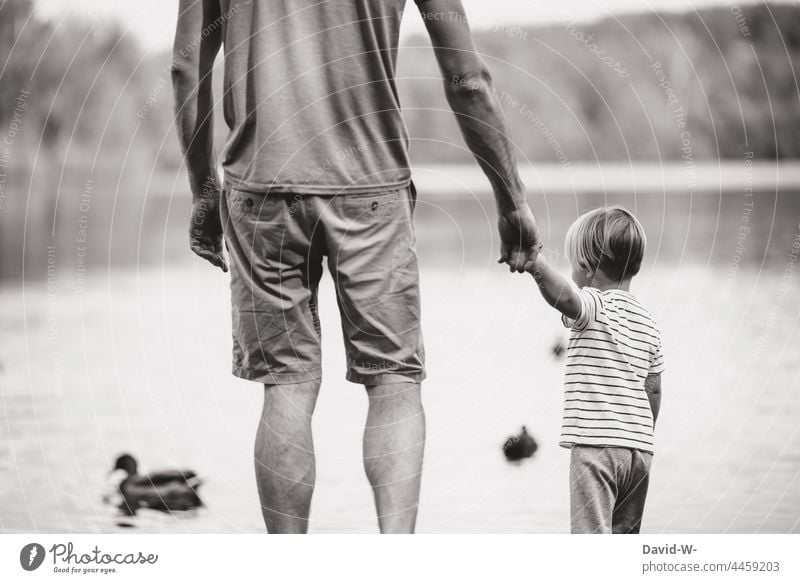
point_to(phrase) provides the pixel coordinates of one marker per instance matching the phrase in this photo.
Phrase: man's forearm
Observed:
(194, 122)
(480, 116)
(198, 39)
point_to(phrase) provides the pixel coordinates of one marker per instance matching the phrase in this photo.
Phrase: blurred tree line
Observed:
(86, 131)
(77, 140)
(593, 89)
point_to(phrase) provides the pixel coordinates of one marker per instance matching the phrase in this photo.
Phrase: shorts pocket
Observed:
(366, 207)
(259, 207)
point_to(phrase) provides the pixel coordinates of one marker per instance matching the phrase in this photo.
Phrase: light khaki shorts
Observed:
(276, 244)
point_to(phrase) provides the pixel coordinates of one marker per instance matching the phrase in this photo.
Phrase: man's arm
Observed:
(652, 386)
(556, 290)
(471, 95)
(198, 39)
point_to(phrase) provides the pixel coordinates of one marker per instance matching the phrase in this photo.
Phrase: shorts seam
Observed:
(385, 378)
(237, 183)
(277, 378)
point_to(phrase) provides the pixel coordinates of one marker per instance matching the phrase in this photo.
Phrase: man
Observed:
(316, 165)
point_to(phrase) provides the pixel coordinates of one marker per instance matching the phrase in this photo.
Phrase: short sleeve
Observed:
(591, 304)
(657, 360)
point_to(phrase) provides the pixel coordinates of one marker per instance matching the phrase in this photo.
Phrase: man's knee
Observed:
(288, 409)
(295, 398)
(401, 390)
(400, 399)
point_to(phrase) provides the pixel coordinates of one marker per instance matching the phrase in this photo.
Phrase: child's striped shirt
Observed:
(614, 345)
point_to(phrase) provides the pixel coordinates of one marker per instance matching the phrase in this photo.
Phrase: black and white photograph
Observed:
(398, 266)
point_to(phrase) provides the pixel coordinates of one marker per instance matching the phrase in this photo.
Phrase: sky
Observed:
(152, 22)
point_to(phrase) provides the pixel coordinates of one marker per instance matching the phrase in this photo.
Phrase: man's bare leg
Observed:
(284, 456)
(394, 442)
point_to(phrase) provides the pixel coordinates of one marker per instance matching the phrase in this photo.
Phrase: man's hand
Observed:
(519, 239)
(205, 231)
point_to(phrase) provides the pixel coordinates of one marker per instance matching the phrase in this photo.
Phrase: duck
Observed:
(165, 490)
(520, 447)
(558, 349)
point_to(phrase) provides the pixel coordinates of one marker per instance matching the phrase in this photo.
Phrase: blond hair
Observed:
(610, 239)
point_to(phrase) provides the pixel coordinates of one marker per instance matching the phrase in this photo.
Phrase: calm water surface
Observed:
(138, 360)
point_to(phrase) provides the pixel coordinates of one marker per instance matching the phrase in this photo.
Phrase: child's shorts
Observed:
(608, 488)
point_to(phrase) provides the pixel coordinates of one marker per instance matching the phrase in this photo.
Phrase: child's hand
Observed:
(520, 240)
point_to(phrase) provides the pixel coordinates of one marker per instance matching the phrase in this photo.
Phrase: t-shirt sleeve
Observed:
(657, 360)
(591, 305)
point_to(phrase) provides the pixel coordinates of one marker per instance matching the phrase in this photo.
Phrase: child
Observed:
(613, 371)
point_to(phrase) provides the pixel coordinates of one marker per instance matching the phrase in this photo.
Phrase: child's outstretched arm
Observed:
(555, 289)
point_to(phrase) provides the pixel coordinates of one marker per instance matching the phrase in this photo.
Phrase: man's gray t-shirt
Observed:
(310, 96)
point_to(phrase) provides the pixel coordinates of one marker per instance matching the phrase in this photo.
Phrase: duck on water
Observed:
(520, 447)
(165, 490)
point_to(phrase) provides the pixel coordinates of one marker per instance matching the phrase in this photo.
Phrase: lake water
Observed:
(138, 360)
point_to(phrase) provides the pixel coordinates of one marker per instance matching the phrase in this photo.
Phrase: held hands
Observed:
(205, 231)
(519, 239)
